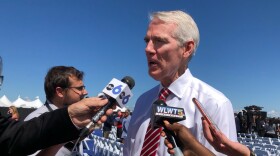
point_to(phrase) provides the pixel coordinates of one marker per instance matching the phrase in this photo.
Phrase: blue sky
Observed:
(238, 52)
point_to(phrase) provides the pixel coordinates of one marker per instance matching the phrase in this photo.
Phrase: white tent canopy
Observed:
(19, 102)
(5, 101)
(3, 104)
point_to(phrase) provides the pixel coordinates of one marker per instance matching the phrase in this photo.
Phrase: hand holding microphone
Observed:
(162, 113)
(81, 112)
(189, 145)
(117, 92)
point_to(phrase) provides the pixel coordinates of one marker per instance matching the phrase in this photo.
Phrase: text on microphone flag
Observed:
(170, 111)
(119, 91)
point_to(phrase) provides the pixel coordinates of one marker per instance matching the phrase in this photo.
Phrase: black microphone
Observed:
(160, 112)
(117, 92)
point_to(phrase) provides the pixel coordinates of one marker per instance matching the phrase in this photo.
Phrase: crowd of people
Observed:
(120, 119)
(257, 123)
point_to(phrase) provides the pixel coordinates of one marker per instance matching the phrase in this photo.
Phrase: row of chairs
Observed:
(263, 149)
(99, 146)
(270, 150)
(247, 135)
(263, 153)
(260, 145)
(263, 141)
(113, 133)
(254, 136)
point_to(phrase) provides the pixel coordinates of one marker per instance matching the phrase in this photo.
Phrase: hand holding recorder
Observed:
(205, 115)
(221, 143)
(216, 138)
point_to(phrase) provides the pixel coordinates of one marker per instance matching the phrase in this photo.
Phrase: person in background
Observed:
(277, 129)
(107, 126)
(118, 123)
(237, 123)
(270, 129)
(243, 121)
(13, 113)
(171, 39)
(125, 124)
(250, 121)
(260, 123)
(63, 86)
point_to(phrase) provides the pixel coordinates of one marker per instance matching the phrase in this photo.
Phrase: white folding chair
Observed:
(261, 152)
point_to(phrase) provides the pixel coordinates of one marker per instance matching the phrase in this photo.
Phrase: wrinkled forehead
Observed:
(157, 21)
(159, 27)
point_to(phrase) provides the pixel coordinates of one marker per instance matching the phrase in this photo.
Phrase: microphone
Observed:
(116, 92)
(160, 112)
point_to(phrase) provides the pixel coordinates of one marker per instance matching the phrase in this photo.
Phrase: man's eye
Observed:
(81, 88)
(159, 40)
(146, 40)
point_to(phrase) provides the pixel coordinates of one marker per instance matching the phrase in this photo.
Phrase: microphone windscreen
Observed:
(129, 81)
(102, 95)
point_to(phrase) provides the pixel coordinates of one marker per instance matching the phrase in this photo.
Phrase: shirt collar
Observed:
(177, 87)
(48, 102)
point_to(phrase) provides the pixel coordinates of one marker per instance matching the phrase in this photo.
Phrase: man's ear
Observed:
(188, 49)
(59, 91)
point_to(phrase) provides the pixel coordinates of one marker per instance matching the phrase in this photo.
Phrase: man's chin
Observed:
(154, 75)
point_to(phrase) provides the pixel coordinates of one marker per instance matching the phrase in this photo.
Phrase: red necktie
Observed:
(152, 136)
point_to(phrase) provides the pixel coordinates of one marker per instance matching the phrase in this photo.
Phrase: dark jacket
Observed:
(22, 138)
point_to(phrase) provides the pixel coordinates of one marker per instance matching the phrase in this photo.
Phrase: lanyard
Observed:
(47, 104)
(74, 152)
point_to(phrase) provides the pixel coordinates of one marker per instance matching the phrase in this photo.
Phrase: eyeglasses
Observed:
(80, 88)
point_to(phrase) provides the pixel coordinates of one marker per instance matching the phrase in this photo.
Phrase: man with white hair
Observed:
(171, 40)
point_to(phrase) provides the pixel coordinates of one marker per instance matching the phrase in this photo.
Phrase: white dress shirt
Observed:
(183, 90)
(41, 110)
